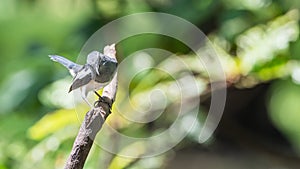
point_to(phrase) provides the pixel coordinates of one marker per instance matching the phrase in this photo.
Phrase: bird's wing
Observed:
(71, 66)
(83, 77)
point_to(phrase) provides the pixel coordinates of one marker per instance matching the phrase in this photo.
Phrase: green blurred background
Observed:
(258, 42)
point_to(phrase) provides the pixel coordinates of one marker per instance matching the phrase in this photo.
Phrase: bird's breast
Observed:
(93, 85)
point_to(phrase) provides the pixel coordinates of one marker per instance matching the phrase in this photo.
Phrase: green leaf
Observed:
(262, 43)
(52, 122)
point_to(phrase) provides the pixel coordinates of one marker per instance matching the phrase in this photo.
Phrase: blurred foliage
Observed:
(284, 108)
(257, 41)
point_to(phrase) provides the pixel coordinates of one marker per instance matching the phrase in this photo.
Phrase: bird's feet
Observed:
(101, 99)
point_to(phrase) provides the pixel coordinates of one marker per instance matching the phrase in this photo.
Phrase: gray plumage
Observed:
(71, 66)
(83, 77)
(94, 75)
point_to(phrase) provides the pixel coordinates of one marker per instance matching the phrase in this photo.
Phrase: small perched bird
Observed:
(94, 75)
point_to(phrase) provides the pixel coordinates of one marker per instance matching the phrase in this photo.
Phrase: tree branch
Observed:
(93, 121)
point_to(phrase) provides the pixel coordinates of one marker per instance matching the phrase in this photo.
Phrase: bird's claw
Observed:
(97, 102)
(101, 99)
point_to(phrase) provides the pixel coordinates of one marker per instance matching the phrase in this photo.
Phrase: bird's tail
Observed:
(71, 66)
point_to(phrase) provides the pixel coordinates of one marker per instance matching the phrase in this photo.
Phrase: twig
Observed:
(93, 121)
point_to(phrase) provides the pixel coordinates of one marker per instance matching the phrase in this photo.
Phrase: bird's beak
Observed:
(97, 69)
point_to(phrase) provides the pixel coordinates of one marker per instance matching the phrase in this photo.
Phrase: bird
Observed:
(98, 71)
